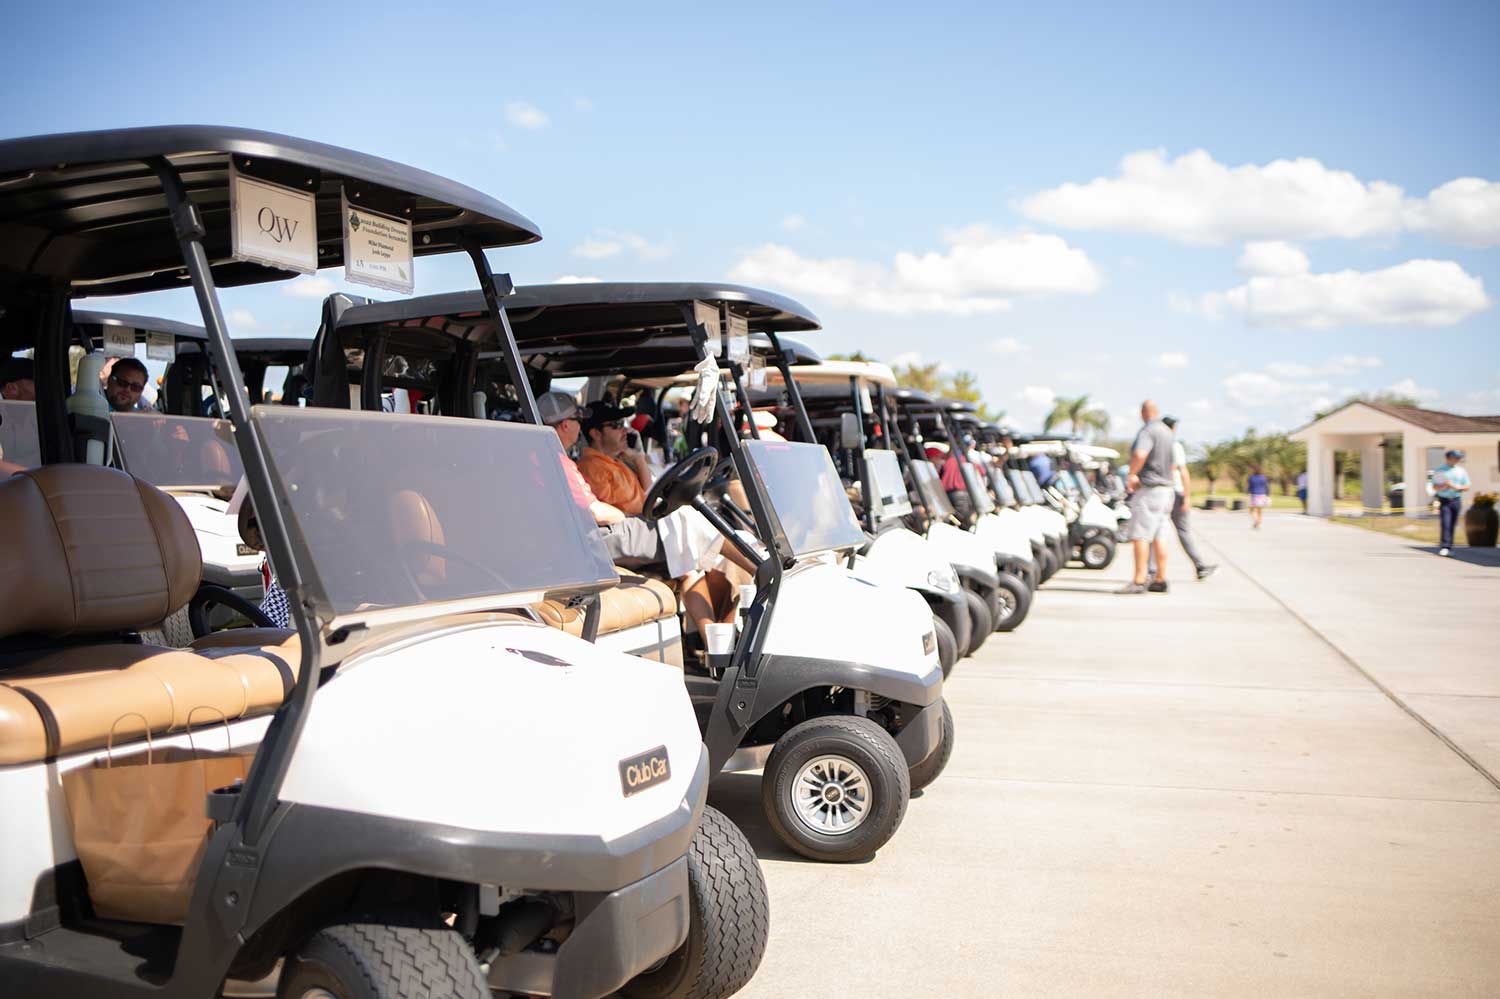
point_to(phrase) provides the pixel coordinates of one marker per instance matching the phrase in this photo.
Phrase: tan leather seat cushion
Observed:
(635, 601)
(69, 701)
(101, 552)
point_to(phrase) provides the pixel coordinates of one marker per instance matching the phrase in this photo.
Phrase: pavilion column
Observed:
(1414, 474)
(1372, 474)
(1319, 476)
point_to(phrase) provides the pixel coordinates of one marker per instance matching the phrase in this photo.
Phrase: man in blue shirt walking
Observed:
(1449, 483)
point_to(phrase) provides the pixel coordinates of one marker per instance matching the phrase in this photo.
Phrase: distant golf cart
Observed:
(845, 401)
(829, 683)
(476, 803)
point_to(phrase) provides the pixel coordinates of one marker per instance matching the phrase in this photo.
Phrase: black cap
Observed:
(1170, 421)
(596, 414)
(16, 368)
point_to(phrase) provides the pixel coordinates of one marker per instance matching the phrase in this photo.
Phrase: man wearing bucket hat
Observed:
(1449, 483)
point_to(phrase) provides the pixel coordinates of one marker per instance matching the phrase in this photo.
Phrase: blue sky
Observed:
(906, 172)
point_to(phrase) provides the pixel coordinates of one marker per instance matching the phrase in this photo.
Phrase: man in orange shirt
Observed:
(619, 475)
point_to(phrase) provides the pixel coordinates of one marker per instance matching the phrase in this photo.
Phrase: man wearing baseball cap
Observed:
(17, 379)
(1449, 483)
(618, 473)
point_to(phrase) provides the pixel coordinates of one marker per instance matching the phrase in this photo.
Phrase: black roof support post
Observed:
(496, 288)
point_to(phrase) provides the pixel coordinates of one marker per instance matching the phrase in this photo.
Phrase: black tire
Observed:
(1015, 602)
(384, 961)
(928, 770)
(855, 740)
(982, 621)
(946, 643)
(1097, 552)
(1049, 563)
(730, 920)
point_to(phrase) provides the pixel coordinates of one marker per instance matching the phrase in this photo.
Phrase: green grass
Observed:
(1278, 501)
(1423, 531)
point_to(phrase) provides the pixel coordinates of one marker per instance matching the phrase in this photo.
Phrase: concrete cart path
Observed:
(1201, 794)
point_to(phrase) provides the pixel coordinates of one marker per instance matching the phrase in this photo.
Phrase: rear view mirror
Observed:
(850, 435)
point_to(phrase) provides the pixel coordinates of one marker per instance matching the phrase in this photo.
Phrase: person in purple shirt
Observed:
(1260, 496)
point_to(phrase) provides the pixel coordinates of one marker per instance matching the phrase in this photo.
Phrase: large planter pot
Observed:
(1481, 524)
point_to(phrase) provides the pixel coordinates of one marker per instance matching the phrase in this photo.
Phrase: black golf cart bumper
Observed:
(617, 936)
(955, 614)
(986, 584)
(922, 734)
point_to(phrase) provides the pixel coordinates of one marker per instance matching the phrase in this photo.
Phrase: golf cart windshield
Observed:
(447, 529)
(178, 452)
(811, 510)
(930, 488)
(1032, 486)
(892, 501)
(983, 502)
(19, 443)
(1017, 483)
(1002, 486)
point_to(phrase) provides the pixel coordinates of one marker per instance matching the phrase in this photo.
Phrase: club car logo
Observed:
(646, 770)
(354, 221)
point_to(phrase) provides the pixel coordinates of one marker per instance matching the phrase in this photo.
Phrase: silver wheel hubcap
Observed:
(831, 795)
(1007, 604)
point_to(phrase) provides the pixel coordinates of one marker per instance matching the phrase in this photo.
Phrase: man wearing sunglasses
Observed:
(124, 384)
(618, 474)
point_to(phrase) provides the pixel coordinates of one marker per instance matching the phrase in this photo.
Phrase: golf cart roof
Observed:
(1095, 451)
(140, 324)
(914, 398)
(839, 372)
(801, 355)
(959, 407)
(87, 207)
(567, 311)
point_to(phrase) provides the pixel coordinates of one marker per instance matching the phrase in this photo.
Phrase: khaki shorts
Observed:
(1150, 510)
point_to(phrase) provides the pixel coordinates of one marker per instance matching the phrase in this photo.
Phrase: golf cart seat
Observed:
(635, 601)
(107, 556)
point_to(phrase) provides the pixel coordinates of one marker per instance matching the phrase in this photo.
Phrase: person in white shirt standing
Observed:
(1183, 486)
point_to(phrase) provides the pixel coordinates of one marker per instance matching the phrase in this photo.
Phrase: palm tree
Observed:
(922, 377)
(1077, 413)
(1213, 460)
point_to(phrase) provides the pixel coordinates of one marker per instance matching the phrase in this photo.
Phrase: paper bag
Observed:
(140, 827)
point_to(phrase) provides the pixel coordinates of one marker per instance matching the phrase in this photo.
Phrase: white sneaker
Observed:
(1443, 552)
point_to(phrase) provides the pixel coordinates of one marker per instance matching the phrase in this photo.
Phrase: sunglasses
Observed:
(133, 386)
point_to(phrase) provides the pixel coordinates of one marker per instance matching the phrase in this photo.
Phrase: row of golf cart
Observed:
(476, 758)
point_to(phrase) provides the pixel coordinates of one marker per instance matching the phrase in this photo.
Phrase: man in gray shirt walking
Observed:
(1152, 493)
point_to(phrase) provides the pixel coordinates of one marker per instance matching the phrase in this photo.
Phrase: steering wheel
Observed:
(211, 594)
(720, 476)
(412, 547)
(679, 485)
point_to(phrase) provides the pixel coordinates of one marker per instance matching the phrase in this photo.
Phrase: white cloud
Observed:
(1195, 199)
(1172, 359)
(1008, 345)
(793, 223)
(582, 104)
(1039, 396)
(1339, 364)
(1274, 258)
(1257, 388)
(1200, 406)
(909, 357)
(308, 286)
(1464, 211)
(598, 249)
(979, 272)
(242, 319)
(606, 243)
(1409, 387)
(1428, 293)
(523, 114)
(576, 279)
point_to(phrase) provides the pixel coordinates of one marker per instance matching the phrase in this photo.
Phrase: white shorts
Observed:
(1150, 510)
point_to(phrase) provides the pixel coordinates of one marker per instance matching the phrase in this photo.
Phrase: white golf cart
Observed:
(445, 797)
(844, 400)
(830, 683)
